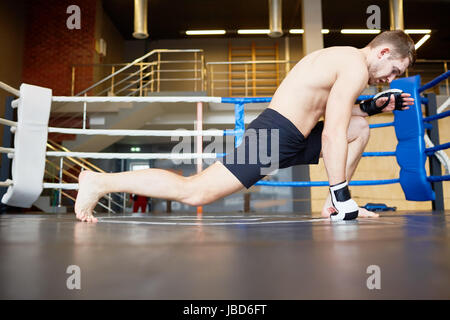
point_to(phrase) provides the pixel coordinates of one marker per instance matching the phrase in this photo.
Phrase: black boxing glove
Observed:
(346, 208)
(370, 106)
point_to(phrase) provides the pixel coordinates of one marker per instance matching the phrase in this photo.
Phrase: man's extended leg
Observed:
(207, 186)
(358, 136)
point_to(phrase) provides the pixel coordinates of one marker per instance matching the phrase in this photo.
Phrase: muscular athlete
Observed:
(325, 83)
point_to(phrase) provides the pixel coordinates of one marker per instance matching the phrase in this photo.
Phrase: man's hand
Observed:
(407, 101)
(398, 100)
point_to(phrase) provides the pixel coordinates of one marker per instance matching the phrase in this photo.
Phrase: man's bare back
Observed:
(303, 94)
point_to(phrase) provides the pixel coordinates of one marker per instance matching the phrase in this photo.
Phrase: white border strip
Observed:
(137, 133)
(212, 223)
(136, 99)
(141, 156)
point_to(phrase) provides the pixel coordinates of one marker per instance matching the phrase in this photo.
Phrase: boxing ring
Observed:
(221, 256)
(31, 131)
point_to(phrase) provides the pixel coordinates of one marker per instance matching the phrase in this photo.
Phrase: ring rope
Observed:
(6, 150)
(74, 186)
(10, 89)
(381, 125)
(135, 133)
(438, 178)
(136, 99)
(140, 156)
(435, 81)
(160, 133)
(437, 116)
(379, 154)
(8, 122)
(65, 186)
(6, 183)
(324, 183)
(432, 150)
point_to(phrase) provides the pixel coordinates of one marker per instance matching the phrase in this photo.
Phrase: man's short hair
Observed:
(401, 43)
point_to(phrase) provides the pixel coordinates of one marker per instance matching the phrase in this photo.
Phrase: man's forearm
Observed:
(334, 152)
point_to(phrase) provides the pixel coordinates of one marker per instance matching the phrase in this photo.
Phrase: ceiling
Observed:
(169, 19)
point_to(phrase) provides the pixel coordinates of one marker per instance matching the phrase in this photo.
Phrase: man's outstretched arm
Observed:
(349, 83)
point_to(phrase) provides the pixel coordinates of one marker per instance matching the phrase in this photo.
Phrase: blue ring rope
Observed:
(381, 125)
(438, 178)
(245, 100)
(324, 183)
(437, 116)
(268, 99)
(365, 154)
(435, 81)
(379, 154)
(364, 97)
(432, 150)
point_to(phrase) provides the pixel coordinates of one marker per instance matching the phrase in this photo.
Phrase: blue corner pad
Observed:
(411, 157)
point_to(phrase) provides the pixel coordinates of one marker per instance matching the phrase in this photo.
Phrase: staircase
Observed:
(67, 170)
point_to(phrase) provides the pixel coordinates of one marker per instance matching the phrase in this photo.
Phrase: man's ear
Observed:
(383, 52)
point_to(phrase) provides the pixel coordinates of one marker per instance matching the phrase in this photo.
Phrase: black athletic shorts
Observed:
(252, 160)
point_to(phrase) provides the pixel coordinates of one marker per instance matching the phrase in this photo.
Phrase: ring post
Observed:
(435, 165)
(30, 143)
(61, 164)
(239, 125)
(411, 157)
(199, 144)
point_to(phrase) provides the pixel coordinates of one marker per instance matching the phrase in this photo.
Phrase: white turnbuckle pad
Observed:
(30, 143)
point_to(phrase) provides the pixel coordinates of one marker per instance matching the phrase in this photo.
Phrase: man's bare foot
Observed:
(363, 213)
(89, 192)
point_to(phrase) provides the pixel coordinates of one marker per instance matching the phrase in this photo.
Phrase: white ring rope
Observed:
(444, 106)
(134, 133)
(6, 183)
(65, 186)
(6, 150)
(10, 89)
(137, 99)
(440, 154)
(8, 122)
(46, 185)
(140, 156)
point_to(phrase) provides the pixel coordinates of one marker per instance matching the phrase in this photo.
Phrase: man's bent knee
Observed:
(196, 194)
(359, 128)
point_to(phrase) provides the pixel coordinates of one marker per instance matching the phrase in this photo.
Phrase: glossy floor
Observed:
(225, 256)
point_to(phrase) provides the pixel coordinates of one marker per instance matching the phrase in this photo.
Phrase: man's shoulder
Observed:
(349, 54)
(351, 61)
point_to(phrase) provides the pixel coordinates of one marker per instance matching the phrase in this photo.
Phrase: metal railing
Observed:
(146, 74)
(67, 172)
(246, 78)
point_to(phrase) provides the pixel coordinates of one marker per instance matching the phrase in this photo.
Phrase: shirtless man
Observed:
(325, 83)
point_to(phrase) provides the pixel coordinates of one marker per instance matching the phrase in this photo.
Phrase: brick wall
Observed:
(51, 48)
